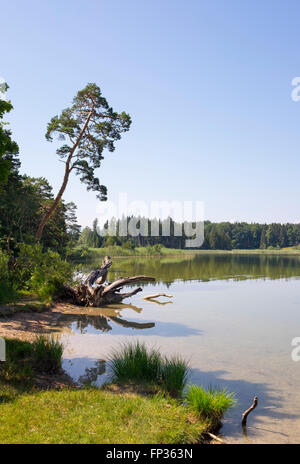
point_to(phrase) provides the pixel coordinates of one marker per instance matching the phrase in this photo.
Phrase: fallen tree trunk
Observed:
(94, 292)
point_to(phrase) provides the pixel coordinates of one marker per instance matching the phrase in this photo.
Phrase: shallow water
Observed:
(234, 318)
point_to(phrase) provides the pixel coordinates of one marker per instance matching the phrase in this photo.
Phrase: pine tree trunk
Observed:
(62, 189)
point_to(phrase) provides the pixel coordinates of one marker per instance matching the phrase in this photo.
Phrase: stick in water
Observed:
(253, 406)
(214, 437)
(149, 297)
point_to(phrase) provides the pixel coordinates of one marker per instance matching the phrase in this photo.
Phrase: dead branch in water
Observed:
(214, 437)
(245, 415)
(156, 295)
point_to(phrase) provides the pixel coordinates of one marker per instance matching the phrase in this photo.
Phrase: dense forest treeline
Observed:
(25, 264)
(217, 236)
(23, 200)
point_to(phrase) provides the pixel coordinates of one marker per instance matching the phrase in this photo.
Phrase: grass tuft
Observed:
(211, 404)
(134, 362)
(25, 359)
(47, 354)
(174, 374)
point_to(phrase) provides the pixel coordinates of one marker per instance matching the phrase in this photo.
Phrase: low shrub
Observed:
(42, 272)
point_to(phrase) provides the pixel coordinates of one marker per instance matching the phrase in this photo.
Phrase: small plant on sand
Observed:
(211, 404)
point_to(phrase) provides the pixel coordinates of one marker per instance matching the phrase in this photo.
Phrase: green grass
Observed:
(174, 374)
(96, 416)
(118, 251)
(115, 414)
(211, 404)
(26, 359)
(47, 354)
(134, 362)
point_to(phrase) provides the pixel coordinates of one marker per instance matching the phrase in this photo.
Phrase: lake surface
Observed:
(233, 317)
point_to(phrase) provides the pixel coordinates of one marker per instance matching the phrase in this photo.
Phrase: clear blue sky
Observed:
(207, 83)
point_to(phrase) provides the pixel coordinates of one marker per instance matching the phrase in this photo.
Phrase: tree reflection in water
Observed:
(98, 318)
(91, 374)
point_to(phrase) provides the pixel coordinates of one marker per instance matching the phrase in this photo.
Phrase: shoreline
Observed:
(98, 253)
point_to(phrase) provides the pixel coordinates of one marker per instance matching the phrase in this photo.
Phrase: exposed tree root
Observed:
(94, 292)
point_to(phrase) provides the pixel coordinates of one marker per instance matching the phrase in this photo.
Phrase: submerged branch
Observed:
(245, 415)
(156, 295)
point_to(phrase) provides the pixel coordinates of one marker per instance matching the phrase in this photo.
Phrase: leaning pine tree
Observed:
(88, 127)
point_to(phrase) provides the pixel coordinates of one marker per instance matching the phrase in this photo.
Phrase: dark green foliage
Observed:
(41, 272)
(104, 128)
(7, 291)
(217, 236)
(23, 201)
(8, 148)
(35, 271)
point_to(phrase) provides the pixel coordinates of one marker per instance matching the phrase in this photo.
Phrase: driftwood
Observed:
(214, 437)
(150, 297)
(94, 292)
(245, 415)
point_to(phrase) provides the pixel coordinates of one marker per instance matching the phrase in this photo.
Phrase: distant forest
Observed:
(217, 236)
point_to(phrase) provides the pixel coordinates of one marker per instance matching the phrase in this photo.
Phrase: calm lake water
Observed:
(234, 318)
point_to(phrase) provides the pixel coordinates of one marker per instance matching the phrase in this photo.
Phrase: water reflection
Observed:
(97, 319)
(91, 374)
(269, 410)
(232, 316)
(205, 267)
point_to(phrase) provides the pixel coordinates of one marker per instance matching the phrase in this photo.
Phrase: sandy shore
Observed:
(27, 324)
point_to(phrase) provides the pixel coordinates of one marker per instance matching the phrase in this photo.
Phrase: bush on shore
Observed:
(33, 271)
